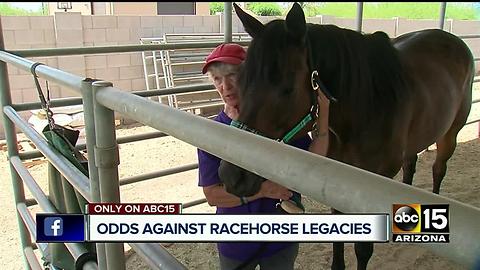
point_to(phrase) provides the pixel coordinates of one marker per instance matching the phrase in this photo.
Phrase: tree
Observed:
(7, 9)
(216, 7)
(265, 8)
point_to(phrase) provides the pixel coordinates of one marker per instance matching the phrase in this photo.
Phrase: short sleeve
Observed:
(207, 169)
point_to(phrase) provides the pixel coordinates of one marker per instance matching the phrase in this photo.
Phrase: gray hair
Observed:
(221, 68)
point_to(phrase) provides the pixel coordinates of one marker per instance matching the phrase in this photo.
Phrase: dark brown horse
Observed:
(395, 97)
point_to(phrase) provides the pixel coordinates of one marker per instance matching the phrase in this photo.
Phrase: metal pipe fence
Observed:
(59, 161)
(106, 251)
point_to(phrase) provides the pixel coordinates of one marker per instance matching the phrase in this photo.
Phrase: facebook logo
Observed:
(60, 228)
(53, 226)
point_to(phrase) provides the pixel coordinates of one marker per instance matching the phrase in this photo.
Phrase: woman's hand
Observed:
(273, 190)
(323, 113)
(320, 136)
(323, 108)
(232, 112)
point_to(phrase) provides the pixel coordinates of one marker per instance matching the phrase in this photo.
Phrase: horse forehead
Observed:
(269, 50)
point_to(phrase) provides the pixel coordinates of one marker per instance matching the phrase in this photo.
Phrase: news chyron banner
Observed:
(165, 223)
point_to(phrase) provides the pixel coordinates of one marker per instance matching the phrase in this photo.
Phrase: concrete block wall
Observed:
(125, 70)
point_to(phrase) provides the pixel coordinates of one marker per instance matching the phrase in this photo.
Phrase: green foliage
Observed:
(311, 9)
(216, 7)
(6, 9)
(389, 10)
(265, 8)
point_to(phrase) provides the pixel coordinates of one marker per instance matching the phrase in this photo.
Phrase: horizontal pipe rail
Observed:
(196, 35)
(131, 48)
(81, 146)
(471, 122)
(43, 71)
(193, 203)
(469, 36)
(115, 49)
(58, 102)
(32, 259)
(77, 250)
(32, 185)
(156, 256)
(319, 175)
(151, 175)
(71, 173)
(37, 154)
(176, 90)
(141, 137)
(31, 225)
(191, 88)
(28, 220)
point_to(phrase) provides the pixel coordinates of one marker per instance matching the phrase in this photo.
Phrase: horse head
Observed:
(276, 70)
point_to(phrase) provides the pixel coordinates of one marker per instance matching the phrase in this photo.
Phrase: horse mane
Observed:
(362, 71)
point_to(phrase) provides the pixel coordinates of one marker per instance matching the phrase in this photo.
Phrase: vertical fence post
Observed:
(87, 97)
(107, 160)
(443, 8)
(359, 19)
(227, 22)
(11, 138)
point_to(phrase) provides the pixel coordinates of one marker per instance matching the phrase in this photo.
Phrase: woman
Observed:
(222, 66)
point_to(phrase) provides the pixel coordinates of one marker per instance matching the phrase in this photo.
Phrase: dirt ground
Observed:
(461, 183)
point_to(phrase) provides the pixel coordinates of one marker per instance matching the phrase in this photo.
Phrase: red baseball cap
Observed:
(230, 53)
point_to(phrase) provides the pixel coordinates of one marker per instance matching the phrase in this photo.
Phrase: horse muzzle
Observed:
(238, 181)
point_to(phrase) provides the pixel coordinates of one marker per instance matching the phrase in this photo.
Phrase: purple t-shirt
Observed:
(208, 175)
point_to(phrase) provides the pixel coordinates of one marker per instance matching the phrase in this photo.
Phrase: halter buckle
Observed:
(313, 80)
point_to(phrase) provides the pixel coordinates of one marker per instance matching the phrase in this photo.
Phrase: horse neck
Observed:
(364, 73)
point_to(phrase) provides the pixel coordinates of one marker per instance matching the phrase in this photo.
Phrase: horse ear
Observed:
(295, 22)
(251, 25)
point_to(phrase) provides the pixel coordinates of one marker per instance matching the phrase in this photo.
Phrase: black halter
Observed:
(314, 77)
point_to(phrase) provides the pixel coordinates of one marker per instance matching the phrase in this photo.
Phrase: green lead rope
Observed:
(286, 139)
(297, 128)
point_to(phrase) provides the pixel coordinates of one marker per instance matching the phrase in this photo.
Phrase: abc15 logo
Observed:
(420, 218)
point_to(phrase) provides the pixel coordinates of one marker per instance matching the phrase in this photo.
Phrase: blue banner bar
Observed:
(60, 228)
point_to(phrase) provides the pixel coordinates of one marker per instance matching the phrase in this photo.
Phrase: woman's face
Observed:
(224, 78)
